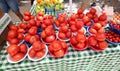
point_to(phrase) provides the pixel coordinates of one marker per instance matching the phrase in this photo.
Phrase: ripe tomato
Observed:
(57, 23)
(92, 30)
(73, 28)
(73, 40)
(69, 34)
(20, 30)
(64, 45)
(26, 18)
(27, 13)
(32, 16)
(32, 30)
(88, 24)
(13, 27)
(80, 45)
(81, 15)
(95, 19)
(12, 49)
(100, 37)
(61, 19)
(27, 37)
(29, 26)
(39, 18)
(37, 45)
(79, 24)
(59, 53)
(92, 41)
(50, 38)
(102, 17)
(82, 31)
(103, 45)
(43, 26)
(89, 15)
(47, 22)
(32, 22)
(73, 17)
(62, 35)
(101, 30)
(47, 31)
(14, 41)
(12, 34)
(80, 37)
(85, 19)
(34, 38)
(20, 36)
(17, 56)
(72, 23)
(56, 45)
(97, 26)
(93, 11)
(23, 25)
(23, 48)
(32, 53)
(41, 13)
(40, 54)
(38, 23)
(43, 34)
(80, 11)
(64, 28)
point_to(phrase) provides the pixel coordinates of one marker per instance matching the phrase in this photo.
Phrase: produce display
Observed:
(42, 33)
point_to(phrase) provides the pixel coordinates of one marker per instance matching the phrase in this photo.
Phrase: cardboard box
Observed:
(5, 21)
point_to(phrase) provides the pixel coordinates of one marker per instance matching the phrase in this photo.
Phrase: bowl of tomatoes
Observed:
(17, 53)
(37, 51)
(58, 49)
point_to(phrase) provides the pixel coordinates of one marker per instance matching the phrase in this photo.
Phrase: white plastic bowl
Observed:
(35, 59)
(9, 59)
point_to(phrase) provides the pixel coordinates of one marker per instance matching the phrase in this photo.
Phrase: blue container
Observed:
(112, 42)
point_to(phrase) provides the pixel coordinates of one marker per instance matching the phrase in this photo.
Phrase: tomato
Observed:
(102, 17)
(93, 11)
(42, 45)
(61, 19)
(56, 45)
(64, 28)
(73, 28)
(95, 19)
(69, 34)
(38, 23)
(32, 22)
(81, 15)
(47, 22)
(41, 13)
(64, 45)
(20, 36)
(27, 37)
(12, 34)
(23, 25)
(97, 26)
(101, 30)
(14, 41)
(72, 23)
(89, 15)
(32, 16)
(32, 30)
(73, 17)
(92, 41)
(47, 31)
(26, 18)
(40, 54)
(34, 38)
(85, 19)
(50, 48)
(80, 37)
(18, 57)
(50, 17)
(32, 53)
(23, 48)
(62, 35)
(43, 34)
(43, 26)
(50, 38)
(13, 27)
(13, 49)
(29, 26)
(88, 24)
(27, 13)
(80, 45)
(59, 53)
(103, 45)
(57, 23)
(73, 40)
(79, 24)
(100, 37)
(82, 31)
(80, 11)
(37, 45)
(20, 30)
(39, 18)
(93, 31)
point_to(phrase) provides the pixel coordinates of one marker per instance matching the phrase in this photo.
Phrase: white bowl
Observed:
(9, 59)
(35, 59)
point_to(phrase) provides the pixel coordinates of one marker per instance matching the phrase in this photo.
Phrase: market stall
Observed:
(87, 58)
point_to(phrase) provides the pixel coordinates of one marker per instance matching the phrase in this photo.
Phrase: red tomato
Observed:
(42, 45)
(101, 30)
(100, 37)
(92, 41)
(73, 40)
(12, 49)
(73, 28)
(50, 38)
(82, 31)
(80, 37)
(64, 28)
(32, 30)
(50, 48)
(32, 16)
(73, 17)
(43, 26)
(93, 11)
(41, 13)
(20, 36)
(38, 23)
(32, 22)
(12, 34)
(47, 22)
(56, 45)
(89, 15)
(27, 13)
(34, 38)
(92, 30)
(69, 34)
(32, 53)
(37, 45)
(20, 30)
(13, 27)
(102, 17)
(29, 26)
(88, 24)
(59, 53)
(23, 48)
(95, 19)
(97, 26)
(79, 24)
(18, 57)
(43, 34)
(62, 35)
(64, 45)
(39, 18)
(81, 15)
(103, 45)
(61, 19)
(26, 18)
(80, 45)
(47, 31)
(14, 41)
(85, 19)
(23, 25)
(80, 11)
(72, 23)
(57, 23)
(27, 37)
(40, 54)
